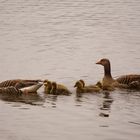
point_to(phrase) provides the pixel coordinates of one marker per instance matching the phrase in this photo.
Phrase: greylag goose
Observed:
(11, 90)
(125, 81)
(80, 88)
(19, 83)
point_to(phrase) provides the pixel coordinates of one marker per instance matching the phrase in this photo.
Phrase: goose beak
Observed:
(99, 62)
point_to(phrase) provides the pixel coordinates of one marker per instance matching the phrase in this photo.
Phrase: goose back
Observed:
(128, 79)
(14, 83)
(10, 91)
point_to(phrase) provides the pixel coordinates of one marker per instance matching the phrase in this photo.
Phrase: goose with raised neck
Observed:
(125, 81)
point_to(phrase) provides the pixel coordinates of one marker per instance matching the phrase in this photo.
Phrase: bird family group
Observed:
(108, 83)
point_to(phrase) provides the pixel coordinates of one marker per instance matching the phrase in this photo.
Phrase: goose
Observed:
(11, 90)
(58, 89)
(80, 88)
(19, 83)
(125, 81)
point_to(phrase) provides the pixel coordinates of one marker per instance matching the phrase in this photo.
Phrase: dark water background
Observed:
(61, 40)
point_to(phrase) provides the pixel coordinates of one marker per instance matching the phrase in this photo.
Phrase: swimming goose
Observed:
(58, 89)
(125, 81)
(19, 83)
(80, 88)
(11, 90)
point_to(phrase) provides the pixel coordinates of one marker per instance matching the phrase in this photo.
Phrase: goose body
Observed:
(125, 81)
(19, 83)
(11, 90)
(128, 79)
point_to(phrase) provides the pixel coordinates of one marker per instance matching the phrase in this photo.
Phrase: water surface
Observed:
(61, 40)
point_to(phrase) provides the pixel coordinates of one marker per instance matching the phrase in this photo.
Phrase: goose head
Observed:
(104, 62)
(107, 66)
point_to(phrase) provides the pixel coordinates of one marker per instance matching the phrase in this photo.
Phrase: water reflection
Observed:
(106, 104)
(107, 101)
(32, 98)
(78, 99)
(51, 99)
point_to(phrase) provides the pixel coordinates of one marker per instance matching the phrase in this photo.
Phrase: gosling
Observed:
(58, 89)
(47, 86)
(97, 87)
(85, 89)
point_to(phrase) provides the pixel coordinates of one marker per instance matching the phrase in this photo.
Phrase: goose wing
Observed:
(128, 79)
(21, 82)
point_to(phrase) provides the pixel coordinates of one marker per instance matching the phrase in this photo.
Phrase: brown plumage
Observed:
(12, 91)
(19, 86)
(19, 83)
(128, 79)
(124, 81)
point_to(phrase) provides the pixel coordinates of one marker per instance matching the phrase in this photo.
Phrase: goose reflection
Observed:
(106, 104)
(32, 98)
(107, 101)
(51, 99)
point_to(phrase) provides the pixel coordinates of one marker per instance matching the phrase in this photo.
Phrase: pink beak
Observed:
(99, 62)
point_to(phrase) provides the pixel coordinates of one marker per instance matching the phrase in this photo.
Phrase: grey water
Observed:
(61, 40)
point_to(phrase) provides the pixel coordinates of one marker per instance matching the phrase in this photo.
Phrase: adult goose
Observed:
(131, 81)
(19, 83)
(11, 90)
(17, 86)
